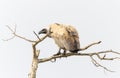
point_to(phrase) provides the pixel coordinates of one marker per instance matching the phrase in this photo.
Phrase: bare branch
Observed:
(13, 31)
(99, 65)
(9, 38)
(41, 39)
(15, 35)
(36, 35)
(109, 51)
(23, 38)
(81, 49)
(76, 54)
(104, 58)
(85, 54)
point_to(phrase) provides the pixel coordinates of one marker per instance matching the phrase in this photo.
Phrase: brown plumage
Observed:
(65, 36)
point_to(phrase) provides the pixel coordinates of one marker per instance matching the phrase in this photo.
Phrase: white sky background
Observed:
(94, 19)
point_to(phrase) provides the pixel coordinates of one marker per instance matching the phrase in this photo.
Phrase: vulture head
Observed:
(43, 31)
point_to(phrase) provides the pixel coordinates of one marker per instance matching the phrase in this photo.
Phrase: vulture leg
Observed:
(64, 53)
(58, 52)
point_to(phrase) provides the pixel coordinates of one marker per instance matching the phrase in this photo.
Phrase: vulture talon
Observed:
(56, 54)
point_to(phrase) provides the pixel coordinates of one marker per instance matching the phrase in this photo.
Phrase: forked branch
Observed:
(16, 35)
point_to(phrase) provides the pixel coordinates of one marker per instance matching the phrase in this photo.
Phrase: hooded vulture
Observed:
(65, 36)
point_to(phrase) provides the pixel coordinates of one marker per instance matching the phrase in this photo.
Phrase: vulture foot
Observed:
(57, 54)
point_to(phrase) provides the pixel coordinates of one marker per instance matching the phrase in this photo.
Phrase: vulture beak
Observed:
(43, 31)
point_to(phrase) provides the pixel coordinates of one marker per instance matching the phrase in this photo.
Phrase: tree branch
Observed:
(36, 35)
(80, 54)
(84, 54)
(81, 49)
(99, 65)
(16, 35)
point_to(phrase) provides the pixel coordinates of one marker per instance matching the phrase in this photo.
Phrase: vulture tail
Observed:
(76, 47)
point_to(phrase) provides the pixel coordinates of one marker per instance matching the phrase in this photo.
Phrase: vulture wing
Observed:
(73, 39)
(72, 31)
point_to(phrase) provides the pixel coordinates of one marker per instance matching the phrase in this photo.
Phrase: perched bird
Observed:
(65, 36)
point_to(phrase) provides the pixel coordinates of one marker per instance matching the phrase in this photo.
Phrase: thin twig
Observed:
(13, 31)
(99, 65)
(9, 38)
(81, 49)
(105, 58)
(36, 35)
(15, 35)
(24, 38)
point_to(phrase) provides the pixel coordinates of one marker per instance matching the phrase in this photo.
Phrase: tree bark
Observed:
(34, 67)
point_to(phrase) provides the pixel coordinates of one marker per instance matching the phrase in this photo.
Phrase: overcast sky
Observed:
(94, 19)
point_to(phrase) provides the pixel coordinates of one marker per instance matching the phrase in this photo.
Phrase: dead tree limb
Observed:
(36, 52)
(81, 49)
(82, 54)
(16, 35)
